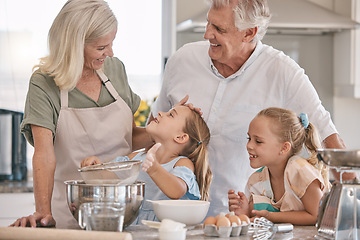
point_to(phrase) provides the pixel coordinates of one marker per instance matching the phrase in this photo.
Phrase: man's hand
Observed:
(189, 105)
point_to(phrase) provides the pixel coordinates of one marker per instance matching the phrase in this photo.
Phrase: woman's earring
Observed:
(281, 152)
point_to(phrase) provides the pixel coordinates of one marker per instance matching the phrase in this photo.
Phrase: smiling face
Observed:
(226, 41)
(96, 51)
(263, 145)
(166, 126)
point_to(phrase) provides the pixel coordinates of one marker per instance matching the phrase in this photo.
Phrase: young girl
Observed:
(177, 165)
(286, 187)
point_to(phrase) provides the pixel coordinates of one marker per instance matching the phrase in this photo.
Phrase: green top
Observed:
(42, 106)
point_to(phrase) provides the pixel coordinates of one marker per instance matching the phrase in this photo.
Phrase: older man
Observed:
(231, 77)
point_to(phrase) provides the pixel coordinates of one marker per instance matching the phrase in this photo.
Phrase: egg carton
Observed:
(234, 231)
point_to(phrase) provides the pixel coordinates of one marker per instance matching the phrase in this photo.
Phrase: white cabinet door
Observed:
(347, 54)
(15, 205)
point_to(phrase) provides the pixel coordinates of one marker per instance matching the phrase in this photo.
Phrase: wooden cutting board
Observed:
(59, 234)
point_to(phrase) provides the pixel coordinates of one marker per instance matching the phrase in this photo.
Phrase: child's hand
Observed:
(92, 160)
(261, 213)
(238, 203)
(150, 157)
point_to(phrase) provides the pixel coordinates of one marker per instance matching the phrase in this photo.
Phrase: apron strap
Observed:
(108, 84)
(64, 99)
(64, 96)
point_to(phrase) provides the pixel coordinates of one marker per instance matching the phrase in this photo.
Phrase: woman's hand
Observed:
(35, 220)
(44, 164)
(238, 203)
(150, 157)
(92, 160)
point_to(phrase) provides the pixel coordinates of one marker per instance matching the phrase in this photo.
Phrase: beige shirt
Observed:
(42, 105)
(299, 174)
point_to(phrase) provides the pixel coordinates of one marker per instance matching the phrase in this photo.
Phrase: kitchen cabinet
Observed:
(15, 205)
(347, 54)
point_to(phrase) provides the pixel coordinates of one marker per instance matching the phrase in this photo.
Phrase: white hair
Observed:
(248, 14)
(79, 22)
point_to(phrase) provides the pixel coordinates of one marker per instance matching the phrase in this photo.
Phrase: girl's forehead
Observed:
(263, 123)
(261, 120)
(181, 109)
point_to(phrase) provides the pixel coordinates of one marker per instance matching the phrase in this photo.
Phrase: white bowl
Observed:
(189, 212)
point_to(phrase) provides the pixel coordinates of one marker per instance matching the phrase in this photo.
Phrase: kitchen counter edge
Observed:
(16, 186)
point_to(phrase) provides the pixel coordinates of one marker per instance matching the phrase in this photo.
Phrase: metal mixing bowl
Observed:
(78, 192)
(340, 158)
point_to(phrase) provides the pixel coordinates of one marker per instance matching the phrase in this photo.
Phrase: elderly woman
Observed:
(79, 103)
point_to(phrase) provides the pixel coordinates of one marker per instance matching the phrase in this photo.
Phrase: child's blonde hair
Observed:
(199, 135)
(289, 128)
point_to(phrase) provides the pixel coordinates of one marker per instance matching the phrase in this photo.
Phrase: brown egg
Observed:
(230, 214)
(235, 219)
(220, 215)
(244, 218)
(223, 222)
(209, 221)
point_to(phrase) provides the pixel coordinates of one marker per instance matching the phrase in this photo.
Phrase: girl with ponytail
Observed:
(286, 187)
(177, 166)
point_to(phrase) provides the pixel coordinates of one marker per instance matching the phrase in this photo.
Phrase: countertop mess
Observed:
(130, 232)
(137, 232)
(197, 232)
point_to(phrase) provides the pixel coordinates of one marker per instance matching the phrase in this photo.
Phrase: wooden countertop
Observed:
(10, 233)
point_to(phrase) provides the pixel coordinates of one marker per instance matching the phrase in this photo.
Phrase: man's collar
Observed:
(248, 62)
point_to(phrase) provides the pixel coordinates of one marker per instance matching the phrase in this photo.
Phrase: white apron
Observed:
(105, 132)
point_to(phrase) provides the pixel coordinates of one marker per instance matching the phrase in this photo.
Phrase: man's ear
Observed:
(181, 138)
(250, 34)
(285, 148)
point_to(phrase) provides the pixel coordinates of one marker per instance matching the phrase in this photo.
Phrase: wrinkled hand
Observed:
(150, 157)
(92, 160)
(189, 105)
(35, 220)
(238, 203)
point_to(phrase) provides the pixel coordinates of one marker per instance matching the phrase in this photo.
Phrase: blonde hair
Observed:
(79, 22)
(248, 14)
(199, 135)
(288, 127)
